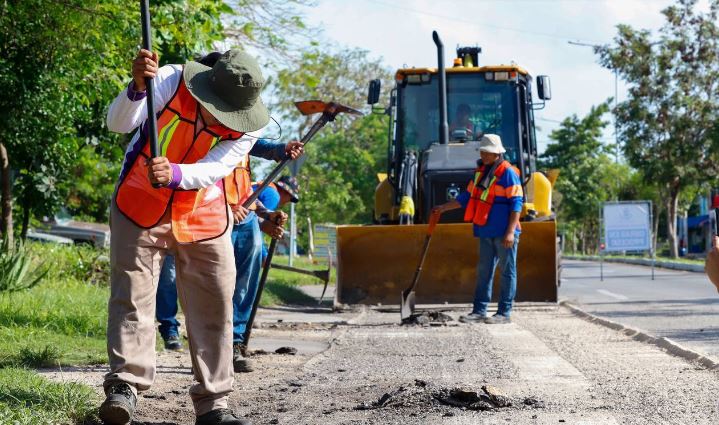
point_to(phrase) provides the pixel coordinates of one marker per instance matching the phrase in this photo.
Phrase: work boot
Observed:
(118, 407)
(473, 318)
(497, 319)
(220, 417)
(240, 363)
(173, 343)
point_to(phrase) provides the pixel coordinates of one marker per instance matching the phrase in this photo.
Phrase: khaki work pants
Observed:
(205, 283)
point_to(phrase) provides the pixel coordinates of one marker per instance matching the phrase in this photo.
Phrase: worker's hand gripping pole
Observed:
(711, 265)
(151, 117)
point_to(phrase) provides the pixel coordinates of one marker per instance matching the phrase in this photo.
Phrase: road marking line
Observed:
(612, 294)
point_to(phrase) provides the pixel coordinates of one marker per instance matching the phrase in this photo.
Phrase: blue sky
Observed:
(532, 33)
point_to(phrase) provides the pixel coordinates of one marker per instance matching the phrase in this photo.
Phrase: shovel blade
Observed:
(309, 107)
(406, 307)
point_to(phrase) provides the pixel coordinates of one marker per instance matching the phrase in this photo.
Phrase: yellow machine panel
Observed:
(375, 263)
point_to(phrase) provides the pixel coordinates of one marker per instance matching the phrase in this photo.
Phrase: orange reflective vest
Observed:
(239, 184)
(481, 200)
(197, 214)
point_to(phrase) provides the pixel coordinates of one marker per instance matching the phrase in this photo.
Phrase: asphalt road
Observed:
(682, 306)
(362, 368)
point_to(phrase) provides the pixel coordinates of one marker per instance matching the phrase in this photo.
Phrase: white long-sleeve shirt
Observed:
(127, 112)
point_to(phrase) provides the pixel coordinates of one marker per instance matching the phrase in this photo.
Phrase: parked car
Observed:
(64, 225)
(36, 236)
(95, 234)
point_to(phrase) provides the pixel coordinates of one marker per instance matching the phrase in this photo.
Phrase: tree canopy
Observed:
(62, 62)
(668, 123)
(588, 176)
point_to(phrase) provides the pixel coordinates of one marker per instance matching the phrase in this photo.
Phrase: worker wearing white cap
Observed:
(492, 202)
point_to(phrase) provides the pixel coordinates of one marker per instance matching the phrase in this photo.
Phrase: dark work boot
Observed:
(173, 343)
(220, 417)
(240, 363)
(498, 319)
(118, 407)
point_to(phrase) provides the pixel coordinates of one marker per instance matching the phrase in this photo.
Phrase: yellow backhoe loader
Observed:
(431, 158)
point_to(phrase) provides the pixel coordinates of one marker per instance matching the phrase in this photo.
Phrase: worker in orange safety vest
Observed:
(493, 201)
(208, 120)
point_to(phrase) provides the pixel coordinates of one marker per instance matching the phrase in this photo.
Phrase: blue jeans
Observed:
(166, 300)
(492, 253)
(247, 244)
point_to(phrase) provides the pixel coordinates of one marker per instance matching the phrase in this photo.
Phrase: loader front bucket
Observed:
(375, 263)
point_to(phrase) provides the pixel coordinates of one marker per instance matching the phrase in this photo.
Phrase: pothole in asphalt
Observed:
(424, 396)
(428, 318)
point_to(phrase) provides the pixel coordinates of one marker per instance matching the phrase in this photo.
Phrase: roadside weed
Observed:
(27, 398)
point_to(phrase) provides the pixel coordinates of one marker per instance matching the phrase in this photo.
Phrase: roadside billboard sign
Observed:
(325, 241)
(627, 226)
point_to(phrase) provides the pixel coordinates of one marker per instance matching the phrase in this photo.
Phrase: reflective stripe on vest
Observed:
(196, 215)
(480, 200)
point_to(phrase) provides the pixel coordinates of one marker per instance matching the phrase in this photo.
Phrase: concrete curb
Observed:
(698, 268)
(666, 344)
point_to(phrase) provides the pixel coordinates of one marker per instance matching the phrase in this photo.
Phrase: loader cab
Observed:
(476, 104)
(480, 100)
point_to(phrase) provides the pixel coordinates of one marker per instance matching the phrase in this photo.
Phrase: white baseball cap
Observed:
(491, 143)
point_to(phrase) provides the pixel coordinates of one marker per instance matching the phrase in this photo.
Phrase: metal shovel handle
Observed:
(149, 82)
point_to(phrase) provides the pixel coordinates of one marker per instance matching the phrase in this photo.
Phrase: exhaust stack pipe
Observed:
(443, 126)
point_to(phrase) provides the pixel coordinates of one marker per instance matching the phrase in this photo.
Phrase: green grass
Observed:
(280, 293)
(62, 321)
(281, 288)
(69, 317)
(27, 398)
(297, 279)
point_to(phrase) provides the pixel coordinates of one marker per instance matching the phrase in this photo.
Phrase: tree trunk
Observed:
(26, 210)
(672, 206)
(6, 195)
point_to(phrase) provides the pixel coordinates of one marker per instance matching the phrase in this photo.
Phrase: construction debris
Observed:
(423, 394)
(428, 318)
(290, 351)
(533, 402)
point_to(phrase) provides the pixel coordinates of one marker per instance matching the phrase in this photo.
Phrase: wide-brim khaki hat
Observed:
(491, 143)
(230, 90)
